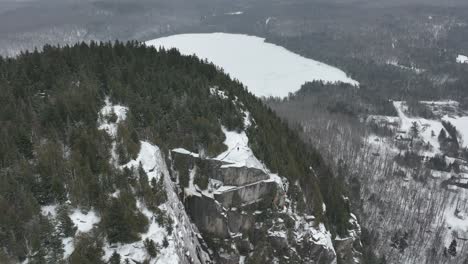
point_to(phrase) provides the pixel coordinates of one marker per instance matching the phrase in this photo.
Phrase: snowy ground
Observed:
(266, 69)
(84, 221)
(426, 126)
(453, 221)
(239, 152)
(461, 123)
(396, 64)
(429, 128)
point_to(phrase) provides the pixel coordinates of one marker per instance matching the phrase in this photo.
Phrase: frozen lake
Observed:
(266, 69)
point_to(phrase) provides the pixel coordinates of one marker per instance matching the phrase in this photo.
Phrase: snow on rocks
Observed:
(238, 153)
(49, 210)
(183, 242)
(317, 234)
(186, 152)
(106, 115)
(266, 69)
(462, 59)
(150, 158)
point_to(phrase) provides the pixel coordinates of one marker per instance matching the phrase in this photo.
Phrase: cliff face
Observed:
(232, 209)
(245, 211)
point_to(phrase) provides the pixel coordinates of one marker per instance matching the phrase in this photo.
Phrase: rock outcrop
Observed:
(243, 207)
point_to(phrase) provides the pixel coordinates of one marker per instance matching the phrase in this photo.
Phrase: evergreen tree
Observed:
(65, 225)
(452, 250)
(115, 258)
(151, 248)
(122, 221)
(88, 250)
(442, 135)
(414, 130)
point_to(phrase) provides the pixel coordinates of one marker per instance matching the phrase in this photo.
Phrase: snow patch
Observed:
(234, 13)
(215, 91)
(461, 124)
(238, 152)
(462, 59)
(84, 221)
(266, 69)
(150, 158)
(49, 210)
(186, 152)
(68, 247)
(106, 113)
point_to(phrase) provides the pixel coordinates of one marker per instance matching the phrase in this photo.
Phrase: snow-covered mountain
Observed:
(148, 156)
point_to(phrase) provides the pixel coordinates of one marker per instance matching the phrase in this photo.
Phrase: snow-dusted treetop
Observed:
(266, 69)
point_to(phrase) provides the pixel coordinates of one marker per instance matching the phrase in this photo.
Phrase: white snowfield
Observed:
(266, 69)
(461, 124)
(462, 59)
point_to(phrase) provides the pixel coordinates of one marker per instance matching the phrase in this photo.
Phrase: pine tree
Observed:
(414, 130)
(115, 258)
(442, 135)
(165, 243)
(88, 250)
(151, 248)
(452, 250)
(65, 225)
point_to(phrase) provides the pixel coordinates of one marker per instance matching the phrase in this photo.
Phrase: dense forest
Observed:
(52, 152)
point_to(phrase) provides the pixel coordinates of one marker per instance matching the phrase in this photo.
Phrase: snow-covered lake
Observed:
(266, 69)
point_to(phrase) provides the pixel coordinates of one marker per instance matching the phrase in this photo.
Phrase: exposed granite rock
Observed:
(239, 176)
(235, 211)
(248, 194)
(207, 216)
(347, 249)
(240, 222)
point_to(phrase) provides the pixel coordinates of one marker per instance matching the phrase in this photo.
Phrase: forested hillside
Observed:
(52, 151)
